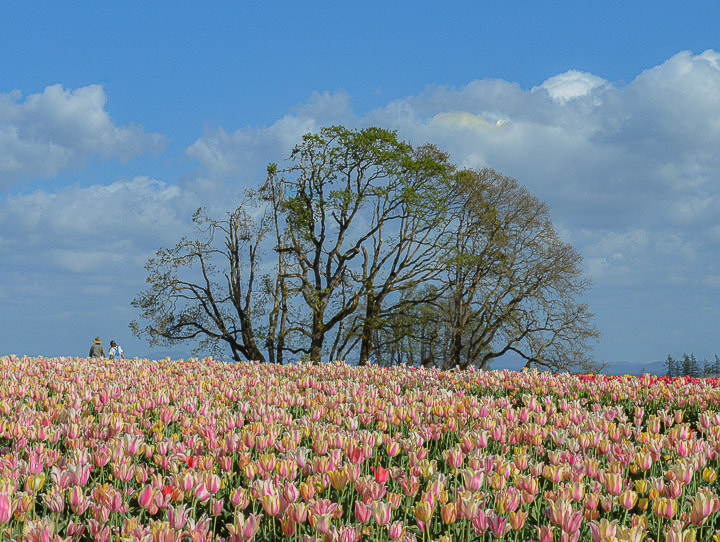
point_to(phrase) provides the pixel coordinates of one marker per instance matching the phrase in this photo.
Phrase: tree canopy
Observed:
(363, 247)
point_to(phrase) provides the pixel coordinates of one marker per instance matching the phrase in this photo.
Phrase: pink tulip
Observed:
(40, 531)
(34, 463)
(145, 497)
(123, 470)
(100, 513)
(703, 504)
(627, 499)
(267, 462)
(239, 498)
(271, 504)
(101, 533)
(78, 500)
(225, 462)
(79, 474)
(216, 506)
(498, 525)
(212, 483)
(288, 525)
(356, 455)
(392, 449)
(362, 512)
(53, 499)
(298, 511)
(322, 522)
(201, 493)
(186, 481)
(178, 516)
(346, 533)
(480, 522)
(665, 508)
(613, 483)
(101, 457)
(75, 528)
(131, 444)
(381, 512)
(603, 530)
(291, 492)
(396, 530)
(473, 480)
(545, 533)
(577, 491)
(243, 529)
(674, 489)
(682, 448)
(7, 507)
(643, 460)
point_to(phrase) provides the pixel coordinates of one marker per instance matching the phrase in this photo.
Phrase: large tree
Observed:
(509, 284)
(366, 248)
(359, 208)
(208, 289)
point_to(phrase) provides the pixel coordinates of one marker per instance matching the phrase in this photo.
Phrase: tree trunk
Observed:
(368, 328)
(317, 338)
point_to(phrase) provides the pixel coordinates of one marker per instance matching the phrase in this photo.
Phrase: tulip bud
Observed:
(381, 512)
(423, 511)
(216, 506)
(628, 499)
(362, 512)
(145, 497)
(448, 513)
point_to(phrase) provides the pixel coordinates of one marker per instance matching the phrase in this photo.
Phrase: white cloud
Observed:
(631, 173)
(73, 259)
(245, 152)
(571, 84)
(636, 164)
(59, 129)
(84, 229)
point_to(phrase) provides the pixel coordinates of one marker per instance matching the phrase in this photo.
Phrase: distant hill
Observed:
(617, 368)
(636, 368)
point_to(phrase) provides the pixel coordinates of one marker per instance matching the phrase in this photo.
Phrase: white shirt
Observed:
(115, 351)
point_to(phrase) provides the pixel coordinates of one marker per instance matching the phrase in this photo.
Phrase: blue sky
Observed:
(116, 121)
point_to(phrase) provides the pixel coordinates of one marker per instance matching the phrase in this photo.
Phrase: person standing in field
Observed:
(116, 350)
(97, 350)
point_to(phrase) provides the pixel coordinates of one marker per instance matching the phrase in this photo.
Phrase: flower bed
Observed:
(205, 450)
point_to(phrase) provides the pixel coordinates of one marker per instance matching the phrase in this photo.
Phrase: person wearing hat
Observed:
(97, 350)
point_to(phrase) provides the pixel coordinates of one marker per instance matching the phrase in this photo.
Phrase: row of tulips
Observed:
(204, 450)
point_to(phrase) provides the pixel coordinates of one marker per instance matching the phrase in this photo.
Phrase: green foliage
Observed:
(363, 246)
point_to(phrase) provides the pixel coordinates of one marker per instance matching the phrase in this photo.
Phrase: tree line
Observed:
(689, 366)
(366, 248)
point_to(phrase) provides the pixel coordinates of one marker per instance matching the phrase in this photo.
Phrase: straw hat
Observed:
(97, 340)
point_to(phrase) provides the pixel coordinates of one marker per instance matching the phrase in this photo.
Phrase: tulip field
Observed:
(203, 450)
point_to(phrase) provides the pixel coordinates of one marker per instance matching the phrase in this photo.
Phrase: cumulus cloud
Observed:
(630, 171)
(73, 259)
(58, 129)
(244, 152)
(636, 165)
(571, 84)
(96, 228)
